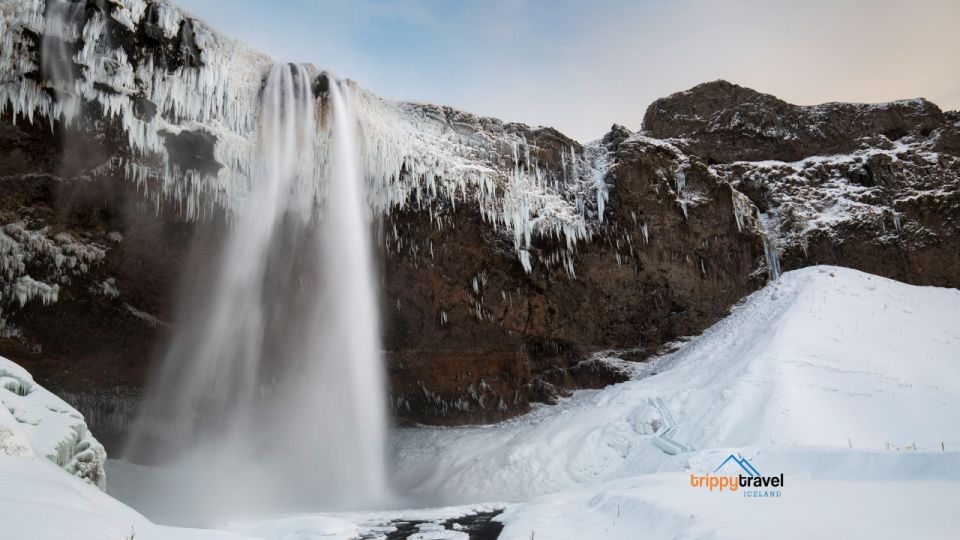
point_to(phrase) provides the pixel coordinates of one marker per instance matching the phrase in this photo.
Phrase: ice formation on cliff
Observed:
(820, 196)
(24, 249)
(417, 155)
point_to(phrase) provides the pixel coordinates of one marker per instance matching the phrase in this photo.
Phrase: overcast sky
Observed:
(582, 65)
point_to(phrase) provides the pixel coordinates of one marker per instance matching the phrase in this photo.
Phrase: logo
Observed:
(738, 472)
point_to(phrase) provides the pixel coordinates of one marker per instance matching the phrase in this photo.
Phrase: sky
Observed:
(581, 65)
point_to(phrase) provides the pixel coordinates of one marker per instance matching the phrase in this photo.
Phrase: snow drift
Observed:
(34, 422)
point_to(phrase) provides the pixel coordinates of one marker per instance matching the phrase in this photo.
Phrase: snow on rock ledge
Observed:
(34, 422)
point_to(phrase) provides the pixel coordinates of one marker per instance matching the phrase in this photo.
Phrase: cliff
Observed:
(513, 259)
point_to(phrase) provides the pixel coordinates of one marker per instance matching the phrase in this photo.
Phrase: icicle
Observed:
(524, 256)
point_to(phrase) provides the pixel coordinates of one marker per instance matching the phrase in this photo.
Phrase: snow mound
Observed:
(33, 421)
(826, 357)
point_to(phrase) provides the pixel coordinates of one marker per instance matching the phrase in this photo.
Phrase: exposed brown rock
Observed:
(471, 298)
(723, 122)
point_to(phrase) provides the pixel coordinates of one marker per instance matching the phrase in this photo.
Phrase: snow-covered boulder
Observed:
(36, 423)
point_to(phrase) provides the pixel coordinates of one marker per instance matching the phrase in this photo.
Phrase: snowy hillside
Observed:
(826, 357)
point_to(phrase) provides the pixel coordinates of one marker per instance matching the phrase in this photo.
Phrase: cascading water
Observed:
(272, 390)
(60, 29)
(768, 230)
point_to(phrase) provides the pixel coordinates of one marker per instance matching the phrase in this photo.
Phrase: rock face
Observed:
(513, 259)
(872, 187)
(722, 122)
(473, 337)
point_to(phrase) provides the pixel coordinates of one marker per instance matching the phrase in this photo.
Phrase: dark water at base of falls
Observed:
(479, 526)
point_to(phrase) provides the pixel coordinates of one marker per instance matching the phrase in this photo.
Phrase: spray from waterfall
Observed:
(271, 395)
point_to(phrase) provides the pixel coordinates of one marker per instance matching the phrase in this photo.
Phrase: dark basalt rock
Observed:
(192, 150)
(190, 55)
(723, 122)
(150, 25)
(321, 85)
(465, 354)
(144, 109)
(149, 40)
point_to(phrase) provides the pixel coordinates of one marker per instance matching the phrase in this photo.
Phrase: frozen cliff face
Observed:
(891, 207)
(471, 336)
(876, 186)
(27, 247)
(525, 182)
(192, 87)
(181, 100)
(116, 110)
(510, 255)
(724, 122)
(36, 423)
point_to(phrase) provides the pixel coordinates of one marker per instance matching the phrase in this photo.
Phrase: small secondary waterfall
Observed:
(770, 252)
(60, 29)
(273, 387)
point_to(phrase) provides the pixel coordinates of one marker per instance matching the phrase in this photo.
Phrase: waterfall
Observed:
(770, 252)
(60, 31)
(271, 395)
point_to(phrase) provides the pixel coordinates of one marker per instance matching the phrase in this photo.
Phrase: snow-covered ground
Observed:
(847, 384)
(825, 356)
(38, 501)
(664, 506)
(52, 472)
